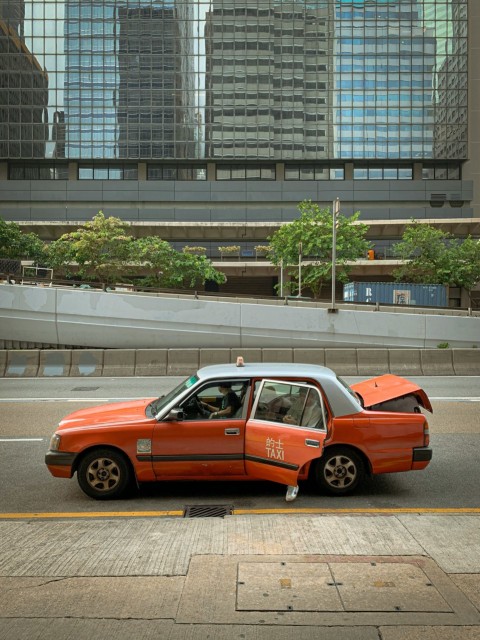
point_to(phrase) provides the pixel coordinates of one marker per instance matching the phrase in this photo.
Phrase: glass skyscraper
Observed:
(208, 121)
(238, 79)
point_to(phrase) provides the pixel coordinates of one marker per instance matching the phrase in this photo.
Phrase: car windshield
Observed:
(157, 405)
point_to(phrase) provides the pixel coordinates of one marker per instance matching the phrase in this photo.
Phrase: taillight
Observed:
(426, 434)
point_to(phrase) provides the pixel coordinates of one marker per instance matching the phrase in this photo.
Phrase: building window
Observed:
(313, 172)
(442, 172)
(108, 172)
(245, 172)
(38, 172)
(382, 173)
(176, 172)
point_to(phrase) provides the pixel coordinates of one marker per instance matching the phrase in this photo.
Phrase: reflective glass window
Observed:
(198, 79)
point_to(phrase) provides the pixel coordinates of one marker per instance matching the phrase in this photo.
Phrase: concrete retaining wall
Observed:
(182, 362)
(98, 320)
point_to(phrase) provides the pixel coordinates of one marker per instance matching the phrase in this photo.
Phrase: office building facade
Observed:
(207, 121)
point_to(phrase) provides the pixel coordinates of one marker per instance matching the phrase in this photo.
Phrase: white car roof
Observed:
(341, 400)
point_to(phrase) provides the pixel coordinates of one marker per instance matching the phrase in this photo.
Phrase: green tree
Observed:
(426, 255)
(313, 229)
(466, 264)
(100, 249)
(171, 269)
(17, 245)
(432, 256)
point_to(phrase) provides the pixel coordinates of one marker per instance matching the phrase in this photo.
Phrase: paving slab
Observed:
(264, 632)
(453, 541)
(372, 591)
(470, 585)
(430, 633)
(164, 546)
(79, 629)
(141, 597)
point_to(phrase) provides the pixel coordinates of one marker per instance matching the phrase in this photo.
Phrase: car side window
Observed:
(221, 399)
(288, 403)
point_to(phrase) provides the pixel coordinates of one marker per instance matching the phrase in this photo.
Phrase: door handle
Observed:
(232, 432)
(312, 443)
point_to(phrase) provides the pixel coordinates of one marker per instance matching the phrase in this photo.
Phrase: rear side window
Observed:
(292, 404)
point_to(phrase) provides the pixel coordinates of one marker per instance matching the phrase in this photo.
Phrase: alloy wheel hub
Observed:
(103, 474)
(340, 471)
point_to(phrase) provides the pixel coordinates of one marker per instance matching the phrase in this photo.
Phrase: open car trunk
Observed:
(392, 393)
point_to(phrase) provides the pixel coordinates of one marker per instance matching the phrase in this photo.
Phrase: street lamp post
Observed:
(299, 269)
(281, 278)
(335, 212)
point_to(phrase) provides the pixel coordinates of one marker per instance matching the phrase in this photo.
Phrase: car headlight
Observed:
(54, 442)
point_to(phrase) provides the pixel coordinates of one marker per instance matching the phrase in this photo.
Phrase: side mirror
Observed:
(174, 415)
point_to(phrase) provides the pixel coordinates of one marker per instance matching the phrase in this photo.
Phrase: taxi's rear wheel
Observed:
(339, 471)
(104, 474)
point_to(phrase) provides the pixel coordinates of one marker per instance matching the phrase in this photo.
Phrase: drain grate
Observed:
(207, 511)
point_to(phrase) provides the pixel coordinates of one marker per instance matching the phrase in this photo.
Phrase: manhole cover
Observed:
(286, 586)
(336, 586)
(387, 586)
(207, 511)
(85, 388)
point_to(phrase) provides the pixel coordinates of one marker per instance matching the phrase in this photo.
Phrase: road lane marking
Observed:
(123, 399)
(23, 439)
(70, 399)
(179, 513)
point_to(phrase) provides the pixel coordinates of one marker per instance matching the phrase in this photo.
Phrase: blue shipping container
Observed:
(420, 295)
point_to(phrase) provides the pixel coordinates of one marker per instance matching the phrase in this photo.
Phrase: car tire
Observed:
(339, 471)
(104, 474)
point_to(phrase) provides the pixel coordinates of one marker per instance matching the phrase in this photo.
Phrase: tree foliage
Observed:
(103, 249)
(100, 249)
(432, 256)
(313, 229)
(425, 253)
(171, 269)
(466, 263)
(17, 245)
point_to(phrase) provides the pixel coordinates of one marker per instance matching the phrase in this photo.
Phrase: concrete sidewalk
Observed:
(251, 577)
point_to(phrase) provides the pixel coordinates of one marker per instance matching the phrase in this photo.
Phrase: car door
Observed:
(284, 432)
(199, 444)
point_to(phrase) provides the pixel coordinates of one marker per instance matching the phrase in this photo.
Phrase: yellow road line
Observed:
(179, 513)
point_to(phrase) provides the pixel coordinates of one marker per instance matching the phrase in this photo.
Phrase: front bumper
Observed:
(60, 463)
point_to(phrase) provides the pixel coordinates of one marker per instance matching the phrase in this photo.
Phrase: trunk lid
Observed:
(388, 388)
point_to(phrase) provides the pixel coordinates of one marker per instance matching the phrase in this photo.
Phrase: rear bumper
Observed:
(422, 454)
(421, 457)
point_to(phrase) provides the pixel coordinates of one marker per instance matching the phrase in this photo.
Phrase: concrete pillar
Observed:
(3, 171)
(471, 169)
(349, 171)
(417, 171)
(73, 170)
(280, 171)
(142, 171)
(211, 171)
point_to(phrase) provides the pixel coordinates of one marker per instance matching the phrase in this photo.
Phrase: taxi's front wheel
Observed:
(339, 471)
(104, 474)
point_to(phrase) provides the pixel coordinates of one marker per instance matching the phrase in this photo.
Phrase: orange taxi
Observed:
(278, 422)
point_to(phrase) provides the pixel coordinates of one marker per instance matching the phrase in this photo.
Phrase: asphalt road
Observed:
(31, 408)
